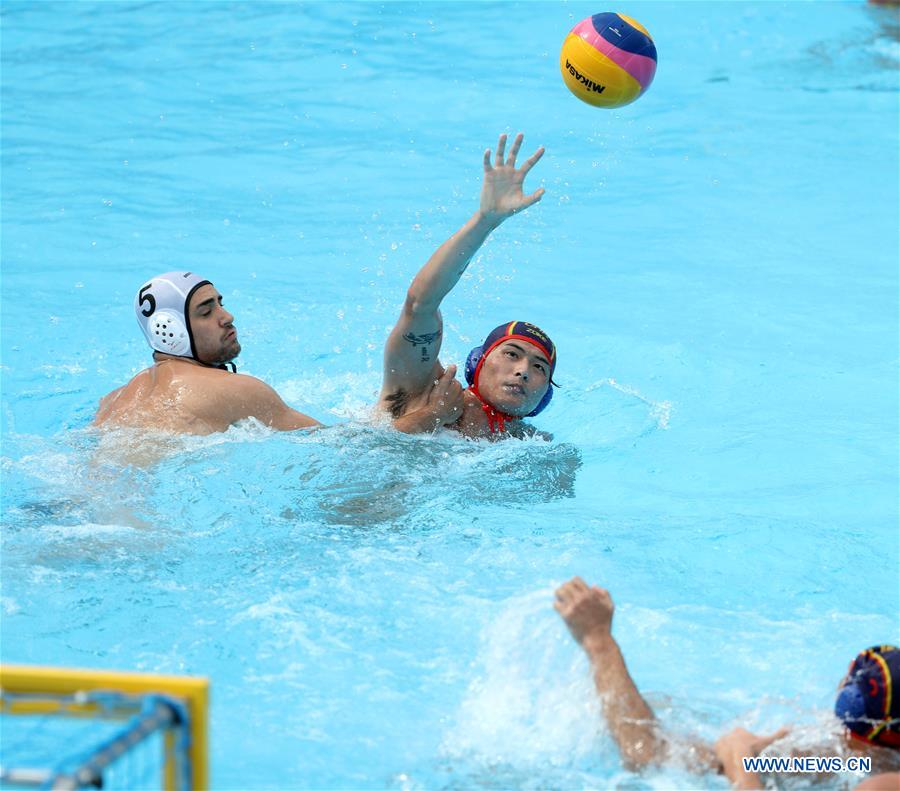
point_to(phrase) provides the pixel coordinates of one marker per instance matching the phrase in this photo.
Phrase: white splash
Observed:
(532, 701)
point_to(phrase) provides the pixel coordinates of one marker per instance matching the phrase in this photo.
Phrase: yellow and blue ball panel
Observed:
(608, 60)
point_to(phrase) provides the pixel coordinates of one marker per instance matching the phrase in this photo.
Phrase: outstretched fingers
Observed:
(514, 151)
(530, 200)
(510, 160)
(501, 147)
(532, 160)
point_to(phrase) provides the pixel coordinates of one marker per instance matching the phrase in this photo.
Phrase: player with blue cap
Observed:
(510, 374)
(512, 335)
(866, 705)
(868, 701)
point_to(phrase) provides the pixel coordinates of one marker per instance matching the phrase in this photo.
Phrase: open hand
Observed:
(501, 192)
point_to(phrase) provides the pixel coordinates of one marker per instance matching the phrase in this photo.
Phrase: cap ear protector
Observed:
(472, 363)
(161, 309)
(866, 703)
(525, 332)
(169, 334)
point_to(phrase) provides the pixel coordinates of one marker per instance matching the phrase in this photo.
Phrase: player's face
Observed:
(514, 377)
(215, 337)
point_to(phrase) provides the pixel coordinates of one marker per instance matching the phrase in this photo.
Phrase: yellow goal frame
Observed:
(191, 691)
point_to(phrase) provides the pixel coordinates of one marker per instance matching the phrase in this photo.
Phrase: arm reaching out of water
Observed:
(411, 353)
(588, 613)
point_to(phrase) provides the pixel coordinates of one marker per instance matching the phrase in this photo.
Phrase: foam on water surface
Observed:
(717, 264)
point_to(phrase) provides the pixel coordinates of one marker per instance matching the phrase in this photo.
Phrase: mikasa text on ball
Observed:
(608, 60)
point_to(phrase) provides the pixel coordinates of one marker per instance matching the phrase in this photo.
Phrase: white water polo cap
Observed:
(161, 310)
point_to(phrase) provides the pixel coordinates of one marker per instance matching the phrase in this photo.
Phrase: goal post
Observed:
(175, 707)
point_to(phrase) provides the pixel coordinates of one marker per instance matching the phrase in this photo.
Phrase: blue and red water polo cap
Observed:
(514, 330)
(867, 702)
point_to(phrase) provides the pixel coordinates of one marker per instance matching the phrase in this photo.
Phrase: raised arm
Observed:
(588, 614)
(411, 353)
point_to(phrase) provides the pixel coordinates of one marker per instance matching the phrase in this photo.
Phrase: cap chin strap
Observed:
(220, 366)
(187, 321)
(495, 418)
(877, 735)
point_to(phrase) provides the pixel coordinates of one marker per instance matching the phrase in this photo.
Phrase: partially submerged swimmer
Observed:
(867, 705)
(193, 386)
(510, 374)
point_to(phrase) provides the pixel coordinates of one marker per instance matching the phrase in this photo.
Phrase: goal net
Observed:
(65, 729)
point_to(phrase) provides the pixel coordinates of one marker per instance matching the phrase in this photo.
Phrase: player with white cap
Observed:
(190, 388)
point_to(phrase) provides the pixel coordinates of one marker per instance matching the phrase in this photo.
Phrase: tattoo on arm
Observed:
(426, 339)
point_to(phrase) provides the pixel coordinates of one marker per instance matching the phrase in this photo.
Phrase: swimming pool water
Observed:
(717, 264)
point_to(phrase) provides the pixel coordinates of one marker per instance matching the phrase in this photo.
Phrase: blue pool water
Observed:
(718, 264)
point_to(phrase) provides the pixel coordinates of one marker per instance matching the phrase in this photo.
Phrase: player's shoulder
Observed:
(123, 397)
(246, 382)
(138, 383)
(212, 376)
(251, 391)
